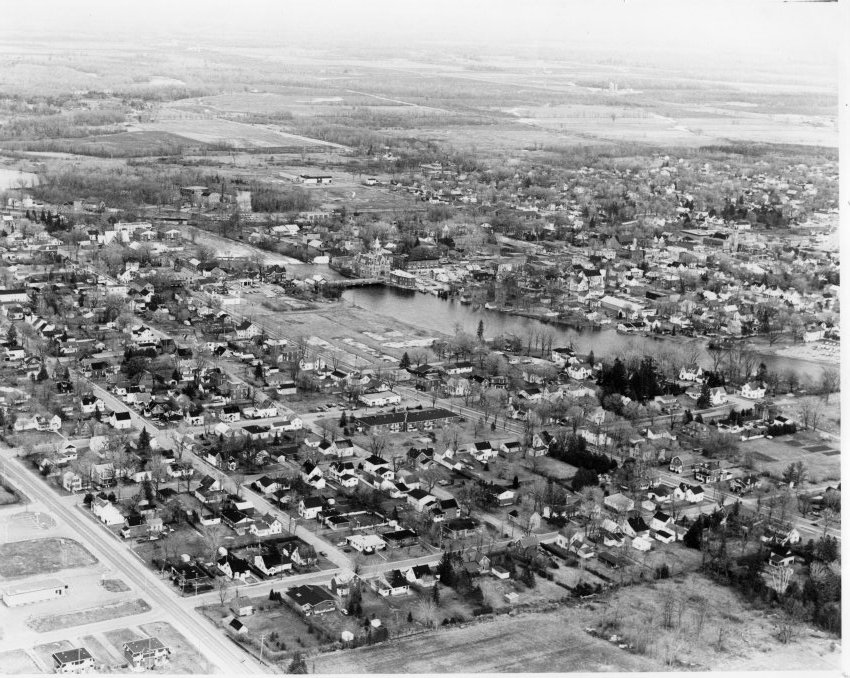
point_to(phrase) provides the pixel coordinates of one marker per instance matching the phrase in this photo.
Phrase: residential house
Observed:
(312, 600)
(619, 503)
(420, 499)
(312, 475)
(309, 507)
(146, 653)
(107, 512)
(233, 567)
(77, 660)
(661, 521)
(266, 525)
(120, 420)
(392, 583)
(753, 390)
(271, 563)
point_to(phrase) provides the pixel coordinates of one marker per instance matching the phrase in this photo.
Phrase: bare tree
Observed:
(213, 537)
(830, 381)
(810, 413)
(223, 588)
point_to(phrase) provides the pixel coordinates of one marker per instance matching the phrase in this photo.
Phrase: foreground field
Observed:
(535, 642)
(715, 630)
(711, 628)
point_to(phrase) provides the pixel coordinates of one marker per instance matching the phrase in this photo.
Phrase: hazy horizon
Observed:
(757, 33)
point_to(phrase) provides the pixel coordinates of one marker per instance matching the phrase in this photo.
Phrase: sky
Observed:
(761, 29)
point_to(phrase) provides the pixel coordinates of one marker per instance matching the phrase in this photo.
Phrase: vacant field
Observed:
(775, 455)
(42, 556)
(185, 658)
(748, 637)
(829, 412)
(91, 615)
(17, 662)
(23, 524)
(532, 642)
(103, 653)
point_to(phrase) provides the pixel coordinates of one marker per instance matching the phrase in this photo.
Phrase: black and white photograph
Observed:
(448, 337)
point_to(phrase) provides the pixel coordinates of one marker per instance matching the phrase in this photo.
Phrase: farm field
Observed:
(42, 556)
(215, 131)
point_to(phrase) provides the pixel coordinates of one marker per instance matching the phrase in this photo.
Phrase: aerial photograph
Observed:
(448, 337)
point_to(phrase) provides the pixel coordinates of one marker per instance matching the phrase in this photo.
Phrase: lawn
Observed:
(291, 628)
(185, 657)
(16, 662)
(42, 556)
(90, 615)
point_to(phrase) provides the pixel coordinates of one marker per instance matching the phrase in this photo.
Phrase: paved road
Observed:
(225, 656)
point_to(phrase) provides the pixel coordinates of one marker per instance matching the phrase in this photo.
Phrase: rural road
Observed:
(225, 656)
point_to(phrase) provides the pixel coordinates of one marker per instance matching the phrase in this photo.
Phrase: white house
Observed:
(753, 390)
(312, 475)
(106, 512)
(72, 482)
(121, 420)
(290, 424)
(693, 373)
(718, 396)
(309, 507)
(580, 372)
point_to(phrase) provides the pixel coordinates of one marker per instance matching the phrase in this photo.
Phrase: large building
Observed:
(408, 420)
(27, 593)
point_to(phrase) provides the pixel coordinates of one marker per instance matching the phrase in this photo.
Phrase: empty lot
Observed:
(42, 556)
(533, 642)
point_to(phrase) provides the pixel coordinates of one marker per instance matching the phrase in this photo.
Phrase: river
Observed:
(428, 312)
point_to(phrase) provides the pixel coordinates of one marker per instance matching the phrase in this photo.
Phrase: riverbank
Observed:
(819, 352)
(434, 315)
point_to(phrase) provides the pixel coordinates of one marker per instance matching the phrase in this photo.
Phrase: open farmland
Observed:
(235, 134)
